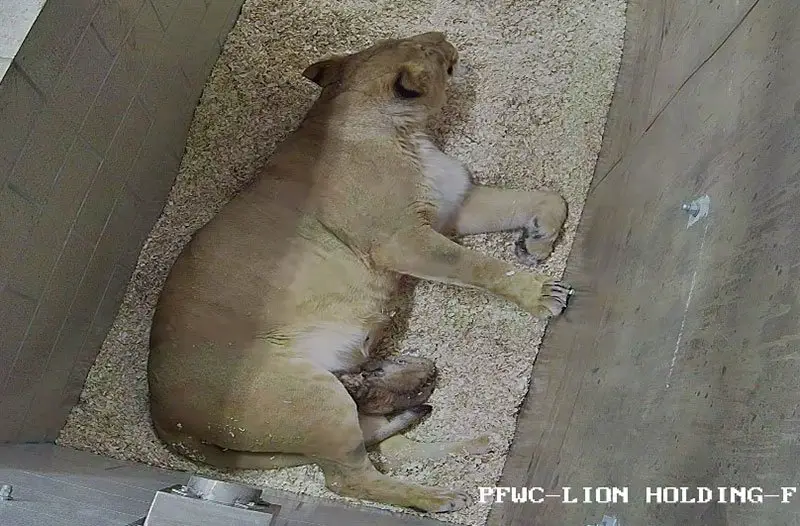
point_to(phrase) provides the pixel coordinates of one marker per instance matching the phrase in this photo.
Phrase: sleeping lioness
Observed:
(285, 289)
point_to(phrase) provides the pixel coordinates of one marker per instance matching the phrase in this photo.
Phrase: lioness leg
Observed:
(355, 476)
(377, 429)
(374, 430)
(352, 474)
(427, 254)
(204, 453)
(397, 449)
(293, 409)
(539, 214)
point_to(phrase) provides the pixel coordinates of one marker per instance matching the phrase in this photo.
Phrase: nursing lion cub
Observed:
(285, 290)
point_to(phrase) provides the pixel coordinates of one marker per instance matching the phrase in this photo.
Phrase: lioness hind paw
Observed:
(477, 446)
(444, 501)
(457, 501)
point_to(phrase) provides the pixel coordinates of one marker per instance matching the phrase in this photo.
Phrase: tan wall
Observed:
(94, 113)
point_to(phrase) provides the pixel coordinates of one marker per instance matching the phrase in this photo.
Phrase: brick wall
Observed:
(94, 112)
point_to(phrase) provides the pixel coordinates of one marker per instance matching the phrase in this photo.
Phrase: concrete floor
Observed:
(677, 364)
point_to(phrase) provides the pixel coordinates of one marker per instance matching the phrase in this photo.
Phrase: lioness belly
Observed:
(336, 346)
(337, 306)
(343, 328)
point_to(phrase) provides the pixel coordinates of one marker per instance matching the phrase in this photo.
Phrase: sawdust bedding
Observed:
(527, 110)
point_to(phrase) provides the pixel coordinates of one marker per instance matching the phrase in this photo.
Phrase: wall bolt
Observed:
(697, 209)
(5, 491)
(693, 208)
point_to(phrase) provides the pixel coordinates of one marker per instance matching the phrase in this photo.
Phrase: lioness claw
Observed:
(555, 297)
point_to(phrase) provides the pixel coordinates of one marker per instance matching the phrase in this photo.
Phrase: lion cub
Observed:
(385, 387)
(286, 287)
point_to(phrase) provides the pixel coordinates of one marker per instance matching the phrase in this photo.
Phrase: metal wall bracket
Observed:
(607, 521)
(211, 503)
(5, 492)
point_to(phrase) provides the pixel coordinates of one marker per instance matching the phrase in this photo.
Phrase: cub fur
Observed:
(286, 286)
(388, 386)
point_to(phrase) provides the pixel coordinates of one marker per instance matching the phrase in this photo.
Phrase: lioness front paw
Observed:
(553, 299)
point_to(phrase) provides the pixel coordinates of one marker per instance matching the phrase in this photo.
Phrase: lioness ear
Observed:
(411, 82)
(325, 71)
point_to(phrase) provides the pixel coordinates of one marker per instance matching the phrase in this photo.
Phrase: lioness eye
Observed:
(450, 70)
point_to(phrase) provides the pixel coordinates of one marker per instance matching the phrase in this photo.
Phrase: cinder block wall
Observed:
(94, 113)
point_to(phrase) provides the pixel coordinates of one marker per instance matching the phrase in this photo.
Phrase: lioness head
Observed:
(407, 76)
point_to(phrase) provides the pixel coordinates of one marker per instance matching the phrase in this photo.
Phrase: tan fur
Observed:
(287, 285)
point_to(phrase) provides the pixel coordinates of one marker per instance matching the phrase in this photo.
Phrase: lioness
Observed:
(286, 287)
